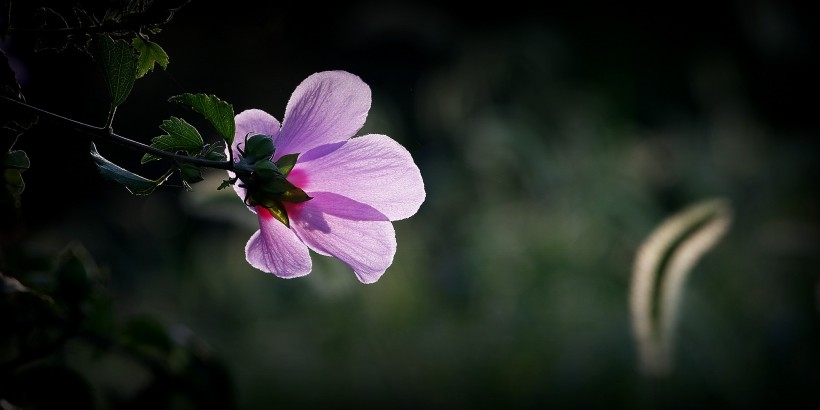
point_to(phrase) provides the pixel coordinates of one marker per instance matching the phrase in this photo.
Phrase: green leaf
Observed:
(218, 112)
(134, 183)
(180, 136)
(119, 63)
(661, 266)
(150, 53)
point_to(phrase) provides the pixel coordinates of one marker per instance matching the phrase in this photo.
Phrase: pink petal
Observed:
(251, 122)
(276, 249)
(355, 233)
(326, 107)
(373, 169)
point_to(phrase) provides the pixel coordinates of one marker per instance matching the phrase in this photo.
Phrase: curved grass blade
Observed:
(661, 266)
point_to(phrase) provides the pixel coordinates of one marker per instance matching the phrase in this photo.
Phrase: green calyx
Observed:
(264, 180)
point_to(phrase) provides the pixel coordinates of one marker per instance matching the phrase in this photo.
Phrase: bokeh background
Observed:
(551, 140)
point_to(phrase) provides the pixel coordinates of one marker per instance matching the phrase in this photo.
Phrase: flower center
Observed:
(266, 181)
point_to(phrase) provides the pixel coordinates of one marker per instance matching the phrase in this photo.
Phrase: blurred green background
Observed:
(551, 142)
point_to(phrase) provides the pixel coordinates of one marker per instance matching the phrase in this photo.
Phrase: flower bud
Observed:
(258, 147)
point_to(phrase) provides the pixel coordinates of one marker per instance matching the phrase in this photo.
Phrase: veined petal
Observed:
(276, 249)
(372, 169)
(357, 234)
(251, 122)
(327, 107)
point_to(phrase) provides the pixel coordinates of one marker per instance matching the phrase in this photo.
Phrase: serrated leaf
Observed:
(219, 113)
(661, 266)
(119, 63)
(150, 53)
(180, 136)
(134, 183)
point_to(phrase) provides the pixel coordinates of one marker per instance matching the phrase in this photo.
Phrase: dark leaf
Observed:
(119, 64)
(135, 184)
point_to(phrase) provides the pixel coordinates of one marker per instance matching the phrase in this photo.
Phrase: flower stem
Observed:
(106, 134)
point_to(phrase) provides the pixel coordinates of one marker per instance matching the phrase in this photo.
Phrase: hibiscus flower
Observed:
(335, 194)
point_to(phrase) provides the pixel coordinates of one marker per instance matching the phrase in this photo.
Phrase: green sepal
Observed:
(278, 211)
(150, 53)
(286, 163)
(190, 173)
(180, 136)
(135, 184)
(295, 194)
(213, 152)
(219, 113)
(119, 63)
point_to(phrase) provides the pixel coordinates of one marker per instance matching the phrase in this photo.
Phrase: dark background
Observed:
(551, 141)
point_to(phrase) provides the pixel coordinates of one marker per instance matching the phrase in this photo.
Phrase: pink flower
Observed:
(357, 186)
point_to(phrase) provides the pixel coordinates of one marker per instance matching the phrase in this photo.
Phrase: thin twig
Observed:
(102, 133)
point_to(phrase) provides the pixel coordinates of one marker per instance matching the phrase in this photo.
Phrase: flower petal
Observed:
(276, 249)
(326, 107)
(373, 169)
(251, 122)
(355, 233)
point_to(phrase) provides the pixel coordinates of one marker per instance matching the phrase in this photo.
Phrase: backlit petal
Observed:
(373, 169)
(357, 234)
(326, 107)
(276, 249)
